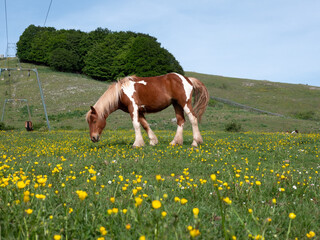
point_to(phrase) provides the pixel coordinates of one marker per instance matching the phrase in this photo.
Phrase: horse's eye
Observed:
(94, 121)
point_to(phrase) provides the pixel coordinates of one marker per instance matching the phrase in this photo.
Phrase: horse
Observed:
(141, 95)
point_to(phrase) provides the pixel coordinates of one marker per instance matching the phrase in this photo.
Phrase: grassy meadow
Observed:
(68, 97)
(59, 185)
(257, 183)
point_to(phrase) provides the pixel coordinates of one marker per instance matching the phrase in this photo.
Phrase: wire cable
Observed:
(5, 9)
(45, 21)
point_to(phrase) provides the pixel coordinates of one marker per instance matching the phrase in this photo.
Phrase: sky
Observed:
(274, 40)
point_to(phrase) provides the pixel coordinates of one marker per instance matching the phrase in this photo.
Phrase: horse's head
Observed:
(96, 124)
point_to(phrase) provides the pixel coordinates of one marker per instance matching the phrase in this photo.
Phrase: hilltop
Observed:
(68, 97)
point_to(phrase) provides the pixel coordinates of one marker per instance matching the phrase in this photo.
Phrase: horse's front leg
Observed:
(153, 138)
(138, 142)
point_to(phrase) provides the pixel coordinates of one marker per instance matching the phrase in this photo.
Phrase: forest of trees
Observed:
(100, 54)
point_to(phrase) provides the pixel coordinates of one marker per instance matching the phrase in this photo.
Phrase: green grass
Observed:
(56, 165)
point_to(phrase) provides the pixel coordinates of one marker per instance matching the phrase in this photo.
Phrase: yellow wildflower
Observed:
(41, 180)
(195, 212)
(40, 196)
(21, 184)
(128, 226)
(103, 231)
(213, 177)
(183, 201)
(56, 237)
(29, 211)
(292, 216)
(227, 200)
(311, 234)
(82, 194)
(138, 201)
(194, 233)
(156, 204)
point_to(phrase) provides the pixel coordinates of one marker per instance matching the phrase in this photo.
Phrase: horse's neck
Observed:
(106, 109)
(109, 101)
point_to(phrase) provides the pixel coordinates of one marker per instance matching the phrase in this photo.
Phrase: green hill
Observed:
(69, 96)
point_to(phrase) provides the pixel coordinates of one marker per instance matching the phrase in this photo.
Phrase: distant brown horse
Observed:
(140, 95)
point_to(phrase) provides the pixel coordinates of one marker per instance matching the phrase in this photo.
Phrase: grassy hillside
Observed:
(287, 99)
(69, 96)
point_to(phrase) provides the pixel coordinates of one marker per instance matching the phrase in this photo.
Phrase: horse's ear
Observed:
(93, 110)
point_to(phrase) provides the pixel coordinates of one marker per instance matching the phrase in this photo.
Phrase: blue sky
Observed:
(275, 40)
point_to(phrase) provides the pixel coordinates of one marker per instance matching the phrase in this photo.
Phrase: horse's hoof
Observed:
(135, 145)
(194, 144)
(173, 143)
(153, 142)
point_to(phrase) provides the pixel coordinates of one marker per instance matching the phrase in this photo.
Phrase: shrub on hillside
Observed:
(4, 127)
(233, 127)
(307, 115)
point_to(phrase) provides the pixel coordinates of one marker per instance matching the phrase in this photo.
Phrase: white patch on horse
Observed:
(128, 89)
(142, 82)
(186, 85)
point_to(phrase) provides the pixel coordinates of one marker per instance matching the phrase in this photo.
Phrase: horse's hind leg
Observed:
(178, 138)
(197, 139)
(153, 138)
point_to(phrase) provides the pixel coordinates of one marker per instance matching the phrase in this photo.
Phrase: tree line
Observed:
(101, 54)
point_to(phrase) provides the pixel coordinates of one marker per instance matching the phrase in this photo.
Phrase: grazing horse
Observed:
(140, 95)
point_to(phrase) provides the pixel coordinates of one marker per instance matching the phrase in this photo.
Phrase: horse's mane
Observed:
(109, 101)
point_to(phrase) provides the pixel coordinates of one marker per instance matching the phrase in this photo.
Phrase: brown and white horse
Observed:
(140, 95)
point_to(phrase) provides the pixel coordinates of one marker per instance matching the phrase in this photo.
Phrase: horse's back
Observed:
(157, 93)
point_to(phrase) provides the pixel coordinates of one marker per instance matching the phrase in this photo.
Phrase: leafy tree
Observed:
(147, 58)
(101, 54)
(32, 42)
(69, 40)
(89, 40)
(127, 53)
(105, 61)
(64, 60)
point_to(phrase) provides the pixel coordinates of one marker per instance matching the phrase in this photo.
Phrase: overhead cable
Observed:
(45, 21)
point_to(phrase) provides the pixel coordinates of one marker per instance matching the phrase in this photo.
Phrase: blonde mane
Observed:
(109, 101)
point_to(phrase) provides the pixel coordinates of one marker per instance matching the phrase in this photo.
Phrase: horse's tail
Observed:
(201, 97)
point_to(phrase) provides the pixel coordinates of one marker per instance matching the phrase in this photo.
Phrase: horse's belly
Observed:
(152, 108)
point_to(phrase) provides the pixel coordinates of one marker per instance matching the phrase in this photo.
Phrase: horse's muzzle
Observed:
(95, 139)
